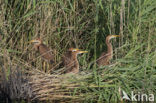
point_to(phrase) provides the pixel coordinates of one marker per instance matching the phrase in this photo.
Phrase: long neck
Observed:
(74, 56)
(109, 47)
(76, 63)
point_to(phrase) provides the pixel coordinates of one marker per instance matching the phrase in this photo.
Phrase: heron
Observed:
(70, 61)
(44, 51)
(105, 57)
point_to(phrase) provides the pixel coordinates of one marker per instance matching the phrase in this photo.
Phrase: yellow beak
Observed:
(82, 52)
(115, 35)
(32, 41)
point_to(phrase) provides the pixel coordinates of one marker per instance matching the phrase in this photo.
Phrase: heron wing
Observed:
(103, 59)
(46, 52)
(103, 55)
(68, 61)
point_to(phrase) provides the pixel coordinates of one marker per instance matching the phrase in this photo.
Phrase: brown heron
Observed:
(70, 61)
(44, 51)
(105, 57)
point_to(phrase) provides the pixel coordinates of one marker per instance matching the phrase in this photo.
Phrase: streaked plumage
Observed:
(43, 50)
(105, 57)
(70, 61)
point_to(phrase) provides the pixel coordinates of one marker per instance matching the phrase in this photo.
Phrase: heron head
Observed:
(73, 49)
(36, 41)
(112, 36)
(77, 51)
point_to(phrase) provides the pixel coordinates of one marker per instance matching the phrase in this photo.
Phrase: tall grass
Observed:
(85, 24)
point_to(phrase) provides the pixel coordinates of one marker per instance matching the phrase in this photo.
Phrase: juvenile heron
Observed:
(105, 57)
(44, 51)
(70, 61)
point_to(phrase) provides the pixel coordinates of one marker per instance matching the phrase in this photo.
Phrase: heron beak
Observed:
(33, 41)
(80, 52)
(114, 36)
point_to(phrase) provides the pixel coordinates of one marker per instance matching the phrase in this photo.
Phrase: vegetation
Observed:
(85, 24)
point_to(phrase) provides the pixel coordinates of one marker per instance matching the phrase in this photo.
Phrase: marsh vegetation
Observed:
(84, 24)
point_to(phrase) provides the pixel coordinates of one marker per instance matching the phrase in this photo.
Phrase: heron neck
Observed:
(74, 56)
(76, 63)
(109, 47)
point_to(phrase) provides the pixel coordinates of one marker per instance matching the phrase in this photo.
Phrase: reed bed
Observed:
(82, 24)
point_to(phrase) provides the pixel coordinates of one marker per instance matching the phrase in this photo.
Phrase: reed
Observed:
(84, 24)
